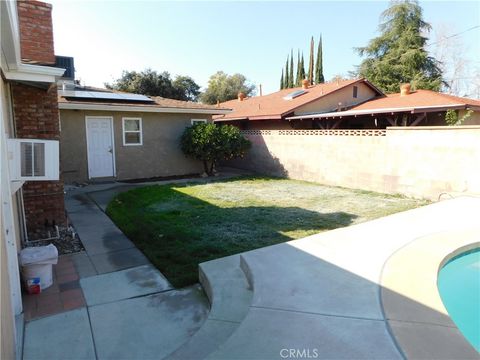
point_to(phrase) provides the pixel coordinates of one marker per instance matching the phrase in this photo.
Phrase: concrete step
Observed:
(230, 294)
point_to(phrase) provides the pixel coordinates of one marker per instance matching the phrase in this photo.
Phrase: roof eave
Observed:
(133, 108)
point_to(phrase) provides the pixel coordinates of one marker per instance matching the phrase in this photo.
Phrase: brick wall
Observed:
(36, 34)
(36, 117)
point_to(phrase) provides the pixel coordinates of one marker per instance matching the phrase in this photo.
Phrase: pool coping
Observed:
(410, 299)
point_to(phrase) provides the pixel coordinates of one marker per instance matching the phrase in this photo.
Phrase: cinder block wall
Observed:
(36, 35)
(421, 162)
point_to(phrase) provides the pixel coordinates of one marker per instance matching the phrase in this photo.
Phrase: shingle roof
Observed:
(157, 102)
(419, 98)
(274, 106)
(416, 102)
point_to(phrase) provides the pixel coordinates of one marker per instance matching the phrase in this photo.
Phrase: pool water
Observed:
(459, 286)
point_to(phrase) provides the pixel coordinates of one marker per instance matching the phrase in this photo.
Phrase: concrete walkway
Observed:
(132, 311)
(333, 295)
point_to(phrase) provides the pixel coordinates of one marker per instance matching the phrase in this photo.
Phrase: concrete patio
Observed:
(331, 295)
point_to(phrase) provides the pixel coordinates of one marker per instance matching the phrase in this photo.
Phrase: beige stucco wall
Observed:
(419, 162)
(345, 96)
(473, 119)
(160, 154)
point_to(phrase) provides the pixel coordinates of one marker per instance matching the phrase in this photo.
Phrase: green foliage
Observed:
(223, 87)
(287, 75)
(319, 78)
(291, 79)
(398, 55)
(311, 62)
(210, 143)
(302, 70)
(451, 117)
(282, 81)
(152, 83)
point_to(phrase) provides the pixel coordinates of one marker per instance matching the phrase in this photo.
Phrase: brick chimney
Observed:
(405, 89)
(241, 96)
(305, 84)
(36, 34)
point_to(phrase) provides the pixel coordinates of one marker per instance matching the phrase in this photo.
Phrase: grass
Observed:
(180, 226)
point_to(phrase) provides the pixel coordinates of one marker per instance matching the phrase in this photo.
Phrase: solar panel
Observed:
(97, 95)
(294, 94)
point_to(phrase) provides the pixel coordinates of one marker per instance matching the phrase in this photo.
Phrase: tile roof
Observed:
(274, 106)
(419, 98)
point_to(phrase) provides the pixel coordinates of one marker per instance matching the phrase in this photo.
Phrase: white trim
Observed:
(131, 131)
(204, 121)
(36, 73)
(113, 142)
(130, 108)
(374, 111)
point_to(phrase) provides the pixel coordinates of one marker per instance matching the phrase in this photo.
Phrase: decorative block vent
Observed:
(317, 132)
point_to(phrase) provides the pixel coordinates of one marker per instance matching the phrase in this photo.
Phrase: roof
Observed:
(274, 106)
(416, 102)
(157, 104)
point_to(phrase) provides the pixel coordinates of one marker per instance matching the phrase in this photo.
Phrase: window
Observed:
(132, 131)
(31, 159)
(198, 121)
(355, 92)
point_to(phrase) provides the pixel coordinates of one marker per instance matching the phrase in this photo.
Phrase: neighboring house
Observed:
(349, 104)
(31, 194)
(113, 135)
(273, 110)
(407, 108)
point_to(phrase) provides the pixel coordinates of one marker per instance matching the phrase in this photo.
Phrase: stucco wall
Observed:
(330, 102)
(160, 154)
(419, 162)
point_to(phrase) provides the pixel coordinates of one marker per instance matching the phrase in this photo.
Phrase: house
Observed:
(30, 189)
(273, 110)
(121, 136)
(348, 104)
(407, 108)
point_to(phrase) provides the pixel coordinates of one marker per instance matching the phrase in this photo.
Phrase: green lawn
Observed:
(180, 226)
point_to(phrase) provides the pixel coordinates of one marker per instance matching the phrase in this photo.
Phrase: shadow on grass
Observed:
(177, 231)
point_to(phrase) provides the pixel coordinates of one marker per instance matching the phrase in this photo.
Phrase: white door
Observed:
(100, 147)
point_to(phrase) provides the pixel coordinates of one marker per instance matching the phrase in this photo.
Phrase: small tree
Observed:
(210, 143)
(451, 117)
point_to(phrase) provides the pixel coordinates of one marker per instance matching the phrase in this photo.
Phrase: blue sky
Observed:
(252, 38)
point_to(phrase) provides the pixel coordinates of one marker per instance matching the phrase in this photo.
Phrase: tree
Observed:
(282, 81)
(298, 80)
(398, 55)
(152, 83)
(223, 87)
(302, 70)
(185, 88)
(319, 78)
(287, 75)
(291, 79)
(311, 62)
(210, 143)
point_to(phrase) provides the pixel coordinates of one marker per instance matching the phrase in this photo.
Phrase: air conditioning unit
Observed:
(33, 159)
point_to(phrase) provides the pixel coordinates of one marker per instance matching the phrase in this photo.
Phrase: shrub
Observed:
(210, 143)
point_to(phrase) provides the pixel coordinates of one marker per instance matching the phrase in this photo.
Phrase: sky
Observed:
(248, 37)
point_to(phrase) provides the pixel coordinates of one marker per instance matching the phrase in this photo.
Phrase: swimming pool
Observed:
(459, 286)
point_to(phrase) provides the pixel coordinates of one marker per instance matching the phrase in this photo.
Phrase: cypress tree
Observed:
(282, 81)
(319, 78)
(287, 76)
(311, 62)
(298, 80)
(291, 79)
(302, 70)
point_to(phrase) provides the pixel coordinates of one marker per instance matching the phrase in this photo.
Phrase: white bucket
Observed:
(43, 272)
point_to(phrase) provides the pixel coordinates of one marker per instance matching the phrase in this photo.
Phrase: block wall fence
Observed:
(419, 162)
